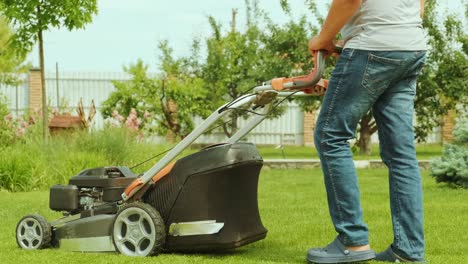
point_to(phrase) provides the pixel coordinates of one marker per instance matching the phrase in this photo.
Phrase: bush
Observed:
(30, 165)
(452, 167)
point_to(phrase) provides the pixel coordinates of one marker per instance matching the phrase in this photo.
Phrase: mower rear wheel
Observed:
(33, 232)
(138, 230)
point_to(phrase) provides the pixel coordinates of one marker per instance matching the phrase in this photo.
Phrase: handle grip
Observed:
(307, 81)
(314, 77)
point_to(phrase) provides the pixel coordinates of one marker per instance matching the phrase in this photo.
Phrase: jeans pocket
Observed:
(379, 73)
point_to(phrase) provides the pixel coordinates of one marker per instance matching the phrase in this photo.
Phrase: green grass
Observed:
(293, 208)
(423, 151)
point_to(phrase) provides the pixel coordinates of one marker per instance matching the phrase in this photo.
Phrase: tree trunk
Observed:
(230, 128)
(226, 130)
(367, 128)
(234, 123)
(364, 142)
(45, 116)
(173, 119)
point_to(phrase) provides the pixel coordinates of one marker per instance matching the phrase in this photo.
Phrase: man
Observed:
(384, 51)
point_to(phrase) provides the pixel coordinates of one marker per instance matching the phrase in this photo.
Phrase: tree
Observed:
(170, 99)
(230, 66)
(444, 81)
(238, 60)
(11, 63)
(32, 17)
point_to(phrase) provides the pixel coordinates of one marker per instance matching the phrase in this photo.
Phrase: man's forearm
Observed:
(340, 12)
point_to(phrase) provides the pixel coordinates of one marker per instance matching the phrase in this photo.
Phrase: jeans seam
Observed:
(397, 209)
(364, 75)
(338, 207)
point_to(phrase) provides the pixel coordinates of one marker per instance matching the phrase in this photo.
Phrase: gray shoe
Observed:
(389, 256)
(336, 252)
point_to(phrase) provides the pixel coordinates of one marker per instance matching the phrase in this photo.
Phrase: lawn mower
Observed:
(206, 201)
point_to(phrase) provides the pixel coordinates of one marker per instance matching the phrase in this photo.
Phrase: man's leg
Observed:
(344, 104)
(393, 112)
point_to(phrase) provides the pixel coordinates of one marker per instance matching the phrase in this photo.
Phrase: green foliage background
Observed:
(11, 62)
(177, 83)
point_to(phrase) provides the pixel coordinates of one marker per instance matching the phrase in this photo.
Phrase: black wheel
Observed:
(33, 232)
(138, 230)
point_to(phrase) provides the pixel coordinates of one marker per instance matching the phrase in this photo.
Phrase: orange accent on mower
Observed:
(133, 187)
(163, 172)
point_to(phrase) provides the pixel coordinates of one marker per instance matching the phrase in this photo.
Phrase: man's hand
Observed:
(340, 12)
(318, 44)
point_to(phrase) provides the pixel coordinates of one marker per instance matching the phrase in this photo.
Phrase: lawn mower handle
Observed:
(303, 82)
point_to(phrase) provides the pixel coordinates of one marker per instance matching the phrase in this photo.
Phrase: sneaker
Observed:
(389, 256)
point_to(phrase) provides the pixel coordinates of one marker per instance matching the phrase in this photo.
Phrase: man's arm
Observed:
(422, 7)
(340, 12)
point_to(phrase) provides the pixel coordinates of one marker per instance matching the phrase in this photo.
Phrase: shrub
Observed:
(452, 167)
(30, 165)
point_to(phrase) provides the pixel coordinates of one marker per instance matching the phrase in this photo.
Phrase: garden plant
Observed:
(452, 167)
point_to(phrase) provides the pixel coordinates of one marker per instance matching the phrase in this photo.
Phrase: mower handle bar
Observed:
(300, 82)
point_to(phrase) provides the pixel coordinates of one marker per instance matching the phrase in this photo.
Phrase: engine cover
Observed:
(112, 181)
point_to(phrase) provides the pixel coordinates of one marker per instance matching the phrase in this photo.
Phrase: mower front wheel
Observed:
(33, 232)
(138, 230)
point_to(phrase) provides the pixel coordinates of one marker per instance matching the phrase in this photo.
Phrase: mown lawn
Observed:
(423, 151)
(293, 208)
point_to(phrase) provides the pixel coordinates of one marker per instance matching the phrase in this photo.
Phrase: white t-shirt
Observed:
(386, 25)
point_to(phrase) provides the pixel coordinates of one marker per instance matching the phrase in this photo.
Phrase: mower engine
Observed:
(90, 189)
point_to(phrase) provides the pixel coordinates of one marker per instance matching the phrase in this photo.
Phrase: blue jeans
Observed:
(385, 83)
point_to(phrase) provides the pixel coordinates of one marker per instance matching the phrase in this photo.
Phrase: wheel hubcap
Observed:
(29, 234)
(134, 232)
